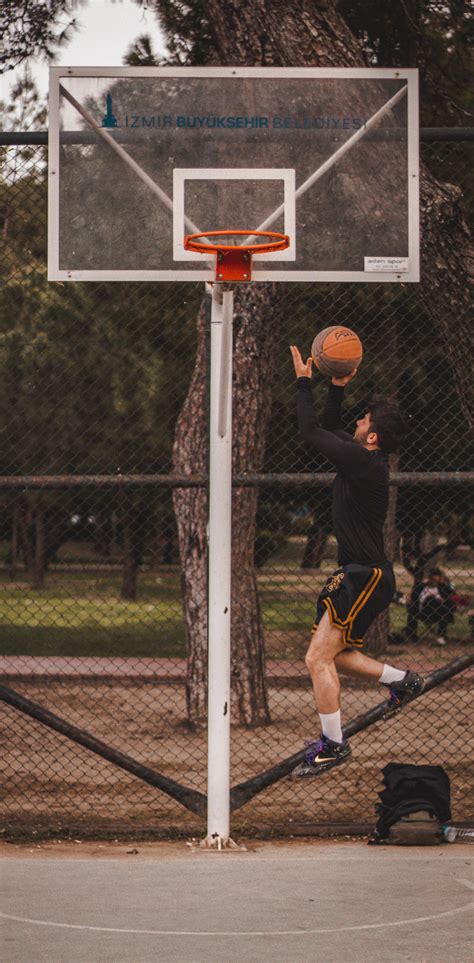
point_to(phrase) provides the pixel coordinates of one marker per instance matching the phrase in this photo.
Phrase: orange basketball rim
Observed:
(234, 261)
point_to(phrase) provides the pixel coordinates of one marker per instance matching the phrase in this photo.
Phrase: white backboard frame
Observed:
(409, 271)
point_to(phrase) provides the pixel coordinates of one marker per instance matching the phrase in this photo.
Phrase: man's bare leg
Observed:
(332, 749)
(402, 684)
(353, 662)
(326, 655)
(326, 644)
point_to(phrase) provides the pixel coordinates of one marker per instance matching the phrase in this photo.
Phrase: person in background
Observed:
(437, 603)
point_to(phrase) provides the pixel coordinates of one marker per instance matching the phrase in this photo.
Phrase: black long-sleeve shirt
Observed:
(360, 493)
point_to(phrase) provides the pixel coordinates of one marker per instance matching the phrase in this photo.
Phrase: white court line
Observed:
(266, 933)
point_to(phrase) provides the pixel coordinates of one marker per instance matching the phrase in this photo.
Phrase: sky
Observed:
(106, 30)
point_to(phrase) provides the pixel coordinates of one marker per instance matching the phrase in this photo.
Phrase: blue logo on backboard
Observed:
(231, 121)
(109, 120)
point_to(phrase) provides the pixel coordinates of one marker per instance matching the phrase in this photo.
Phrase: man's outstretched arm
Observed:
(332, 414)
(352, 459)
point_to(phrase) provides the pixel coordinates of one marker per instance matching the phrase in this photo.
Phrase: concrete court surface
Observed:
(292, 901)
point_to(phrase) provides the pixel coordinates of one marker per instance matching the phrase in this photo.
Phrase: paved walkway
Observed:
(298, 901)
(39, 667)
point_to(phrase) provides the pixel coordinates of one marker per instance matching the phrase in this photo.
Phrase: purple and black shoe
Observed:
(405, 690)
(321, 754)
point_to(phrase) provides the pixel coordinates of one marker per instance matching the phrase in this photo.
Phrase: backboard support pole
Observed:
(219, 554)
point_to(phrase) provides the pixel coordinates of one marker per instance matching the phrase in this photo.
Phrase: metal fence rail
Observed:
(92, 624)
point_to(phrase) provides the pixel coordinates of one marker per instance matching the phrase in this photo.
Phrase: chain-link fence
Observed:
(99, 623)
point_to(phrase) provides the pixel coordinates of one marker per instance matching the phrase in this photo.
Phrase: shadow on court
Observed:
(298, 900)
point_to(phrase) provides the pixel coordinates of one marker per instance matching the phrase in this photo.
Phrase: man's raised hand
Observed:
(344, 380)
(302, 368)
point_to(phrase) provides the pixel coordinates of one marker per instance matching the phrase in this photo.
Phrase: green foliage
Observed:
(188, 28)
(82, 388)
(24, 110)
(34, 28)
(88, 372)
(141, 53)
(433, 35)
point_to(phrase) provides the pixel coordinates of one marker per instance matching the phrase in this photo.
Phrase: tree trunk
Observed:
(131, 550)
(315, 544)
(26, 541)
(191, 511)
(320, 529)
(248, 644)
(40, 547)
(256, 328)
(128, 590)
(410, 633)
(12, 562)
(376, 640)
(445, 280)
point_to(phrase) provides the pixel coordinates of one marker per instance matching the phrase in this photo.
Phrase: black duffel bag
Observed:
(413, 806)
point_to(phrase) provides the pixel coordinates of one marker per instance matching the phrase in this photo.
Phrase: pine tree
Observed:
(34, 28)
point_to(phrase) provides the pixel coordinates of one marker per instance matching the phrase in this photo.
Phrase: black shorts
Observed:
(353, 597)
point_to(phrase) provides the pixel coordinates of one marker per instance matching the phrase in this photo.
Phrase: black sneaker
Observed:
(405, 690)
(321, 754)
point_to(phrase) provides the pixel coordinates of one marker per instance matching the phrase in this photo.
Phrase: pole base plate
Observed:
(216, 843)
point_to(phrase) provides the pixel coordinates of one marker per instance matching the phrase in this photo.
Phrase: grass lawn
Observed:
(81, 613)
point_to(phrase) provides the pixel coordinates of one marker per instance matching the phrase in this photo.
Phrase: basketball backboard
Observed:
(142, 156)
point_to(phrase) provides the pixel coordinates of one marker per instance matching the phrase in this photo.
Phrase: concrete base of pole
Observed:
(217, 843)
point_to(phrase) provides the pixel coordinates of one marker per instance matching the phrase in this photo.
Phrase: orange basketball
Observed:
(336, 351)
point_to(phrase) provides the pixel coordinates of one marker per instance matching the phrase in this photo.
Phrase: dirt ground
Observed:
(146, 849)
(56, 789)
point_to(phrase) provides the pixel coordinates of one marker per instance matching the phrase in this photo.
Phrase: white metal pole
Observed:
(220, 501)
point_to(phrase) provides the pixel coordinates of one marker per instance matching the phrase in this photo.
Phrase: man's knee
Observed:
(316, 654)
(311, 658)
(326, 643)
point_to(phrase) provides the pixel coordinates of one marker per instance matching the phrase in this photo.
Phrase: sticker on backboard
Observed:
(398, 265)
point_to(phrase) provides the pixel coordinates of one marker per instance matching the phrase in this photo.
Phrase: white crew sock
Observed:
(390, 674)
(331, 725)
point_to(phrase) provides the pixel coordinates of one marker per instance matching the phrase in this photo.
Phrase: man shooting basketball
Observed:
(364, 584)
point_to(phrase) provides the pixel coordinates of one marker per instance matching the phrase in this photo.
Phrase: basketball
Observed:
(336, 351)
